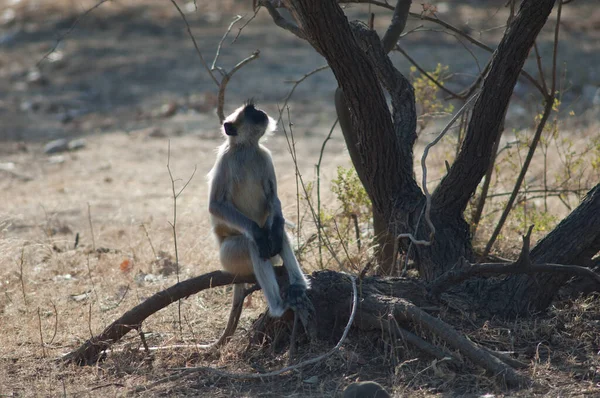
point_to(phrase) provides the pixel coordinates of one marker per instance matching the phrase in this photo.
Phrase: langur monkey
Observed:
(246, 216)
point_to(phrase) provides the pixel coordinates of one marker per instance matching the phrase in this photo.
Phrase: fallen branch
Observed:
(404, 310)
(248, 376)
(89, 352)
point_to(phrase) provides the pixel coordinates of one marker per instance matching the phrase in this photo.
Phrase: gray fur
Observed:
(245, 208)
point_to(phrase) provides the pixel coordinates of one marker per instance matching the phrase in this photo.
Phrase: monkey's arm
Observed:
(231, 216)
(275, 221)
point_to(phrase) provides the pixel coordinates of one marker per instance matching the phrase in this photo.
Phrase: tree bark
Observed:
(455, 190)
(383, 150)
(387, 176)
(380, 146)
(575, 241)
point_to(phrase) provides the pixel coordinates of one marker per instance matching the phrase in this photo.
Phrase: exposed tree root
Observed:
(523, 265)
(389, 304)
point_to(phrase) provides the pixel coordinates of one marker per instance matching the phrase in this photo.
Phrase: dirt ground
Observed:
(81, 230)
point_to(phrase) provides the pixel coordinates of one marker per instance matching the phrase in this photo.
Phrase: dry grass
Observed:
(54, 296)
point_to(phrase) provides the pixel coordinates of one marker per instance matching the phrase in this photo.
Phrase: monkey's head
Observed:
(247, 124)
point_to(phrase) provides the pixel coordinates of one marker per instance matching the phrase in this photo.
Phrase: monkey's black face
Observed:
(255, 116)
(230, 129)
(247, 123)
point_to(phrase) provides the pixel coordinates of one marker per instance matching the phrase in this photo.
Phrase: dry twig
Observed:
(189, 30)
(71, 28)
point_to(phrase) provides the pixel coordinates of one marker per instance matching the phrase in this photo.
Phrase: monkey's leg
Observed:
(234, 314)
(235, 259)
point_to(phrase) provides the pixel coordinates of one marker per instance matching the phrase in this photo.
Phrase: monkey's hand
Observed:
(261, 238)
(276, 235)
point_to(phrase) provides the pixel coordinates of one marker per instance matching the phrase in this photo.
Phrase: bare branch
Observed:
(235, 20)
(281, 21)
(555, 49)
(484, 189)
(521, 177)
(71, 28)
(404, 310)
(523, 265)
(296, 84)
(427, 75)
(244, 25)
(538, 60)
(89, 352)
(424, 165)
(225, 81)
(391, 326)
(472, 162)
(189, 30)
(449, 27)
(393, 32)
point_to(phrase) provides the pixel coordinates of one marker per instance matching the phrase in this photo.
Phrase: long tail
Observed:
(234, 316)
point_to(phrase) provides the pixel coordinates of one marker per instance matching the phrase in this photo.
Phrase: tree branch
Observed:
(427, 75)
(225, 81)
(455, 190)
(393, 32)
(407, 311)
(522, 173)
(89, 352)
(450, 27)
(281, 21)
(189, 30)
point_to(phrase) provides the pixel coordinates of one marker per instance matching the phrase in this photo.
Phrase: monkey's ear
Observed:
(230, 129)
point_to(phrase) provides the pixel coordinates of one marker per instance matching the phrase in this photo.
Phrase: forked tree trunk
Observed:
(380, 143)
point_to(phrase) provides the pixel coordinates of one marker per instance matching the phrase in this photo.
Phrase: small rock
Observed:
(34, 76)
(8, 16)
(7, 166)
(62, 145)
(80, 297)
(57, 159)
(156, 133)
(168, 110)
(65, 277)
(56, 146)
(365, 389)
(76, 144)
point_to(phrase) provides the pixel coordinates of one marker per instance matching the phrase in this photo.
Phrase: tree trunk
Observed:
(380, 145)
(574, 241)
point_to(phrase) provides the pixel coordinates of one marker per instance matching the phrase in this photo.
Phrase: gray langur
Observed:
(246, 216)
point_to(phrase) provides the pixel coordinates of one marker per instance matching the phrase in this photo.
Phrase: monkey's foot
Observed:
(297, 300)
